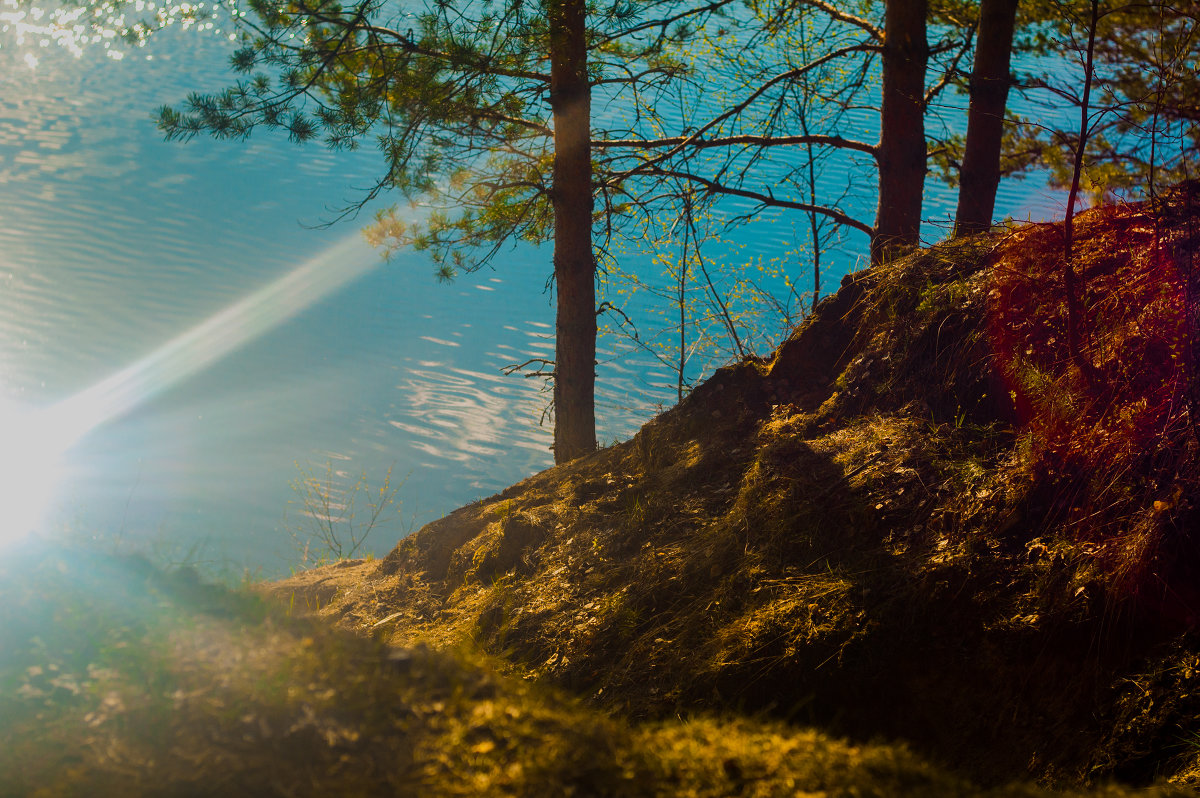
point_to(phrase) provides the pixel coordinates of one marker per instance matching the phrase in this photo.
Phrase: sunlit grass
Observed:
(120, 679)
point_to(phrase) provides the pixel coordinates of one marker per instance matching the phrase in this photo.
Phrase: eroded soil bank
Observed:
(923, 520)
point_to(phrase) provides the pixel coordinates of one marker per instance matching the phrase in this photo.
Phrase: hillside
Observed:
(923, 520)
(924, 550)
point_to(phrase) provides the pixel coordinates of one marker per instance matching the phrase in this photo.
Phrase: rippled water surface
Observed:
(114, 243)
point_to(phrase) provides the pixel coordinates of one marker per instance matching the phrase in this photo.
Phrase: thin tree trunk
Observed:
(682, 298)
(902, 151)
(990, 81)
(574, 262)
(814, 224)
(1070, 278)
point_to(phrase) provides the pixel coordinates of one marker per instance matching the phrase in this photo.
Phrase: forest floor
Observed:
(933, 546)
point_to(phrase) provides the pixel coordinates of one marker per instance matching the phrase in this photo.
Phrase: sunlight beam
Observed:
(214, 338)
(32, 441)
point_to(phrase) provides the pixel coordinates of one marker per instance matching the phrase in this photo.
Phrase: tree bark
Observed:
(902, 151)
(990, 81)
(574, 262)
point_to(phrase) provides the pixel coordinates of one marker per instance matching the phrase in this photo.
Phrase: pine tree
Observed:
(457, 95)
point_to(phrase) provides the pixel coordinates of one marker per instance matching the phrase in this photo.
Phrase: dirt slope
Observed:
(922, 520)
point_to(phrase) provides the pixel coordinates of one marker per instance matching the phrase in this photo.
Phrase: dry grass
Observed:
(124, 681)
(875, 532)
(1117, 439)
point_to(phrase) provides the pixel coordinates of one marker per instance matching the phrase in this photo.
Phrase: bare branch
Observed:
(767, 200)
(661, 24)
(833, 11)
(837, 142)
(738, 108)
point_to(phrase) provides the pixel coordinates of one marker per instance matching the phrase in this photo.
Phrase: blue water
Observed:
(112, 242)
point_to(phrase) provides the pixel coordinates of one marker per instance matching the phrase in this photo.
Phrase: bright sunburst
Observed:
(30, 453)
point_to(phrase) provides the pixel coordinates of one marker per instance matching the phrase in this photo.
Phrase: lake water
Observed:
(114, 243)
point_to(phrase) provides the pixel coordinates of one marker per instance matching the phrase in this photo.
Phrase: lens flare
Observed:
(29, 469)
(33, 441)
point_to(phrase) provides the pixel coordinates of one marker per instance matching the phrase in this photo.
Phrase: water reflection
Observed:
(113, 28)
(457, 414)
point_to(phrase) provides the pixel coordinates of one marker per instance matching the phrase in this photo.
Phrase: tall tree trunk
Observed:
(902, 150)
(574, 263)
(980, 173)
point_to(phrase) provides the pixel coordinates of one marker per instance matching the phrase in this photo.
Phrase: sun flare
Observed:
(31, 448)
(33, 441)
